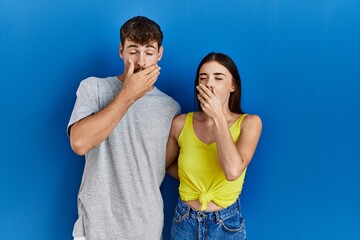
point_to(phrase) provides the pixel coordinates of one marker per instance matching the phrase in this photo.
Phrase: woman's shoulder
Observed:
(180, 118)
(251, 120)
(177, 125)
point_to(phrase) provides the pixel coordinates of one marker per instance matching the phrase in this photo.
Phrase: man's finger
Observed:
(155, 72)
(150, 69)
(131, 68)
(154, 78)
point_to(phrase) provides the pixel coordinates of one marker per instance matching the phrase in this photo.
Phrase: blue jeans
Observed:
(225, 224)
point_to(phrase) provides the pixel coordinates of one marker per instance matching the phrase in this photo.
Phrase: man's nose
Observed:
(141, 60)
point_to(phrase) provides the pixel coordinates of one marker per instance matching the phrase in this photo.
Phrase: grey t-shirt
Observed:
(119, 196)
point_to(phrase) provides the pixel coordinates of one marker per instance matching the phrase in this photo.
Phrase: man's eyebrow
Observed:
(137, 46)
(150, 46)
(133, 46)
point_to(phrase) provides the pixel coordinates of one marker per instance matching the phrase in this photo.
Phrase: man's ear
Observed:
(121, 50)
(160, 53)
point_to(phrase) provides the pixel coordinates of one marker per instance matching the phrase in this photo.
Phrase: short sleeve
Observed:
(86, 101)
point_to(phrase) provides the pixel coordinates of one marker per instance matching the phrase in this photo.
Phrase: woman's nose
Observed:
(208, 82)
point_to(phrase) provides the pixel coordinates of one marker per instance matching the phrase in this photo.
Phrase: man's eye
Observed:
(218, 79)
(132, 53)
(149, 54)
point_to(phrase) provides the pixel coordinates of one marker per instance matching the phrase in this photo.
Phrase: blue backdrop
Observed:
(300, 66)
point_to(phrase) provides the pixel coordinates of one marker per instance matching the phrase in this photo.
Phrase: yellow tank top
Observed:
(200, 173)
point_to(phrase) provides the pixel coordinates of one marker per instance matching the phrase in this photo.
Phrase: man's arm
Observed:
(90, 131)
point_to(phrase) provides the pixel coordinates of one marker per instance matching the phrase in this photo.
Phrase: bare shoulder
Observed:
(179, 119)
(177, 125)
(252, 121)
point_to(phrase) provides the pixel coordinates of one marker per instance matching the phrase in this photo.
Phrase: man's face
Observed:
(143, 56)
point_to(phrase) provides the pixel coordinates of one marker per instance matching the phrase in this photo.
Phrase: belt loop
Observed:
(239, 204)
(188, 210)
(217, 217)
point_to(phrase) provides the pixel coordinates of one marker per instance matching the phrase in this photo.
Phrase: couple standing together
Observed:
(131, 133)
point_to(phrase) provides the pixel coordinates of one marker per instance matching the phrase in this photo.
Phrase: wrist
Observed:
(126, 96)
(219, 121)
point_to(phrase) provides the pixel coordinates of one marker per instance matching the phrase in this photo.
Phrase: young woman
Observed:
(213, 148)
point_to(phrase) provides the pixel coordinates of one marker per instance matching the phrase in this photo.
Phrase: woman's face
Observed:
(212, 74)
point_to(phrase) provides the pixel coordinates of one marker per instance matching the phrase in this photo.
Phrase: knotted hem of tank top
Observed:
(204, 199)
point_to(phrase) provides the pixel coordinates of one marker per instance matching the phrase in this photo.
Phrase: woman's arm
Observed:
(172, 147)
(235, 157)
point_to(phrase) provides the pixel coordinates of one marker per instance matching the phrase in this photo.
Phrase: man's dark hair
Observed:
(141, 30)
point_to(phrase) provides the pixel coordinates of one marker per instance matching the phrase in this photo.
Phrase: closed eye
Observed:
(202, 76)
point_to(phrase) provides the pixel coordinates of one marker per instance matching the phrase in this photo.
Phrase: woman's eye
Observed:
(218, 78)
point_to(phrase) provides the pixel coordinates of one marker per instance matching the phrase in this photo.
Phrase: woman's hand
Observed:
(209, 101)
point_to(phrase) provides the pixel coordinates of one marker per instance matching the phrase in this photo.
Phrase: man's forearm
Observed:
(94, 129)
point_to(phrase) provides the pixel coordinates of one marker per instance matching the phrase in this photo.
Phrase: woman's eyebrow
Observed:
(220, 74)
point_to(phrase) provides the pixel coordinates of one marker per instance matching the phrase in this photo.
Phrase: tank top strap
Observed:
(240, 119)
(187, 128)
(188, 122)
(236, 127)
(189, 119)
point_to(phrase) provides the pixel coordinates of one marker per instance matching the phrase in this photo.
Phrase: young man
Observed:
(121, 124)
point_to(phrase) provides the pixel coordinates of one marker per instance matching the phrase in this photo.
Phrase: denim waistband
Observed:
(210, 216)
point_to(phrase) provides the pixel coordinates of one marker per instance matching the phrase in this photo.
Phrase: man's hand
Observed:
(138, 84)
